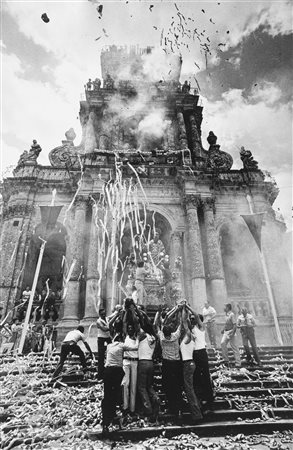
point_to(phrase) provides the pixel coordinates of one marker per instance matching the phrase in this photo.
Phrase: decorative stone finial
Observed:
(70, 135)
(217, 159)
(249, 162)
(212, 138)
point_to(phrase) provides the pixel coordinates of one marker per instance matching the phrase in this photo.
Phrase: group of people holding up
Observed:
(177, 335)
(128, 344)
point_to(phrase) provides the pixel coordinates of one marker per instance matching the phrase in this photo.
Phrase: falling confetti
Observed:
(100, 10)
(45, 18)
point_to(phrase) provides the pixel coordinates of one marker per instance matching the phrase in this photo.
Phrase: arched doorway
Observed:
(147, 241)
(48, 295)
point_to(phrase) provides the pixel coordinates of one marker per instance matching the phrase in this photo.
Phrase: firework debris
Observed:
(45, 18)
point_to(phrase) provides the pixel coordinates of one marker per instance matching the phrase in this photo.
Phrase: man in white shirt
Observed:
(113, 376)
(187, 348)
(104, 339)
(145, 372)
(130, 361)
(171, 366)
(246, 323)
(229, 337)
(69, 345)
(209, 315)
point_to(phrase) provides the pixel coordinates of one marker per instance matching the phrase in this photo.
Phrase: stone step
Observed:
(285, 351)
(257, 384)
(233, 414)
(253, 392)
(207, 429)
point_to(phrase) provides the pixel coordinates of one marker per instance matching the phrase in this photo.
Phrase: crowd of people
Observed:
(129, 343)
(41, 335)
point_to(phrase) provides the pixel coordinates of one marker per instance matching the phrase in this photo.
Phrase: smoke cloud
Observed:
(130, 122)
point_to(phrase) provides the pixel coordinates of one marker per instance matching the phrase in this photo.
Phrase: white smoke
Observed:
(161, 66)
(154, 124)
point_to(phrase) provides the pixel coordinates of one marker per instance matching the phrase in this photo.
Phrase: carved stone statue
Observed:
(249, 162)
(156, 249)
(32, 155)
(217, 159)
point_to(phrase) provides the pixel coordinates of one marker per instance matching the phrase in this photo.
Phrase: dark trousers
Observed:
(102, 347)
(172, 384)
(149, 397)
(188, 372)
(113, 376)
(65, 350)
(202, 379)
(248, 335)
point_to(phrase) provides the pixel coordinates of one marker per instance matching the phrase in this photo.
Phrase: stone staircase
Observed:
(248, 400)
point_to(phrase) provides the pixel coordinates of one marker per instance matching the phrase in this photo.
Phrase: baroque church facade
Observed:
(140, 171)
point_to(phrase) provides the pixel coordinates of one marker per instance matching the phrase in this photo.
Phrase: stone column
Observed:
(183, 144)
(214, 258)
(93, 277)
(75, 250)
(195, 136)
(194, 256)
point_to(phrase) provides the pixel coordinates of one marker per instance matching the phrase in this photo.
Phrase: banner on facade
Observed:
(49, 215)
(254, 223)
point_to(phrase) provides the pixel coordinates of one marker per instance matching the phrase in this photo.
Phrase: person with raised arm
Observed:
(187, 347)
(171, 363)
(202, 378)
(104, 338)
(130, 362)
(145, 373)
(113, 376)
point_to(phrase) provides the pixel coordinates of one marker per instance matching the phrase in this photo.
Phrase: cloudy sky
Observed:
(245, 78)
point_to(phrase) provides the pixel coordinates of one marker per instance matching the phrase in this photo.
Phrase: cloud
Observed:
(28, 119)
(265, 92)
(257, 123)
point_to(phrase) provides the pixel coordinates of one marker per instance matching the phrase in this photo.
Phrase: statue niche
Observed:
(147, 275)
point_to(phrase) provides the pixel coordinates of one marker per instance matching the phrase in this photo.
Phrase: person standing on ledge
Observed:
(246, 323)
(69, 345)
(209, 315)
(229, 337)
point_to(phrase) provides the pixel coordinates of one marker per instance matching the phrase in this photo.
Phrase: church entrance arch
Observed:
(146, 239)
(48, 295)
